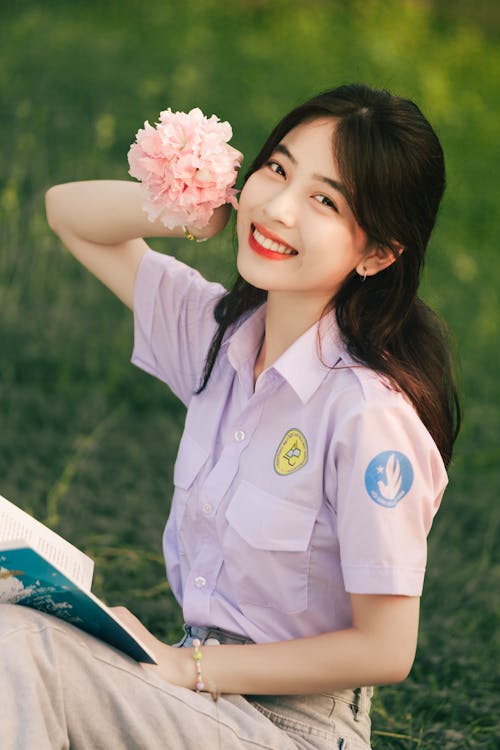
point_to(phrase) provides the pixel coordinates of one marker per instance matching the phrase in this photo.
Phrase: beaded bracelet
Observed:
(200, 685)
(190, 236)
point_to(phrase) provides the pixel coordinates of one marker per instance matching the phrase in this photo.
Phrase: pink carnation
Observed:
(187, 167)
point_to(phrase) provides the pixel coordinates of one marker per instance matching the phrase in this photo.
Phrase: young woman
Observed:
(321, 416)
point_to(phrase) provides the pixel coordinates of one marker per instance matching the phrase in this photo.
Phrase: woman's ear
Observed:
(377, 258)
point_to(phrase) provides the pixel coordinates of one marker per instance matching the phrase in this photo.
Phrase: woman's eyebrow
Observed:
(282, 149)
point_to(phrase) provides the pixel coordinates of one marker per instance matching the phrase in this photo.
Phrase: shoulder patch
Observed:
(388, 478)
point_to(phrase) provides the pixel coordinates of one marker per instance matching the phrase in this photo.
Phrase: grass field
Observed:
(87, 443)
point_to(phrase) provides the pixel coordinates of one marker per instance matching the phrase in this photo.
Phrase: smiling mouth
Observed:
(268, 247)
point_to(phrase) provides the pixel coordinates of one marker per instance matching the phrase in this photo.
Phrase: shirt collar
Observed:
(307, 362)
(243, 344)
(304, 365)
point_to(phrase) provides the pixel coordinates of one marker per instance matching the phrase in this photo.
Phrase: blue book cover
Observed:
(28, 579)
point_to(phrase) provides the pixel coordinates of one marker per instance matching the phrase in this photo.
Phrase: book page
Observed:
(16, 524)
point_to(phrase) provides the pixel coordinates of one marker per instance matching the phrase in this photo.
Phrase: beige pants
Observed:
(60, 688)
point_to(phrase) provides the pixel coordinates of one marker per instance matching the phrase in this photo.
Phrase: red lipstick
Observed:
(265, 251)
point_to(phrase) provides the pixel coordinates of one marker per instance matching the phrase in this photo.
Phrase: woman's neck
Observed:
(288, 316)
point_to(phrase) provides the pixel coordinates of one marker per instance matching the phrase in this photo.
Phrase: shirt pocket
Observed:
(267, 548)
(190, 460)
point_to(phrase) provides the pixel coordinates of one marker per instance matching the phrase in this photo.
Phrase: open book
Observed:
(40, 569)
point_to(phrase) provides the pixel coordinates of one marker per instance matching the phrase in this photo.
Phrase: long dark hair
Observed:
(392, 164)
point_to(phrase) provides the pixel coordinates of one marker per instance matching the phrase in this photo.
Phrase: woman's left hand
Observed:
(171, 665)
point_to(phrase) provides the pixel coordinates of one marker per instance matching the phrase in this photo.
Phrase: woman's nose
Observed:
(282, 207)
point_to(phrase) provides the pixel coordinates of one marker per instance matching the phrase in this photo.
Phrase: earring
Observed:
(363, 275)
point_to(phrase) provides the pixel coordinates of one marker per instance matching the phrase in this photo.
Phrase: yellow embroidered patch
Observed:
(292, 453)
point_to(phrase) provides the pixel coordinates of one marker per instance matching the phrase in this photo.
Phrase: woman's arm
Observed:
(102, 223)
(378, 649)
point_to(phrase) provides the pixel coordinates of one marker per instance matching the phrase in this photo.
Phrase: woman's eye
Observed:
(325, 201)
(274, 166)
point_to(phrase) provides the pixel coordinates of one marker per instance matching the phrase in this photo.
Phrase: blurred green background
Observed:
(87, 443)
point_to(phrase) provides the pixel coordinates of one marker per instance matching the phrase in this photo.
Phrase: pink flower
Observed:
(187, 167)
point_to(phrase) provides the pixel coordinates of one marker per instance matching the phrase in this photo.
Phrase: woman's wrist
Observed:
(189, 668)
(216, 224)
(177, 665)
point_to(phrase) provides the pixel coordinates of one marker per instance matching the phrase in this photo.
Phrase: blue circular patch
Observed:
(388, 478)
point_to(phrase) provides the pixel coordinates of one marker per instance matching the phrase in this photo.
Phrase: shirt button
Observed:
(199, 582)
(239, 436)
(207, 508)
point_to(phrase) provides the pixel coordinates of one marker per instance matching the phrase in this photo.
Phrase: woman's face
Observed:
(296, 231)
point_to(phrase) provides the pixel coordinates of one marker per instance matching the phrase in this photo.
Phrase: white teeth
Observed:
(277, 247)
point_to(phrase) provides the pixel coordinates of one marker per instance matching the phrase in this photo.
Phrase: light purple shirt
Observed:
(321, 482)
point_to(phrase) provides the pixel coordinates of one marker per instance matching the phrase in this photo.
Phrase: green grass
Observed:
(87, 443)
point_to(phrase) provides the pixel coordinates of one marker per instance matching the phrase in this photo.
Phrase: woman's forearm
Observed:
(107, 212)
(102, 223)
(333, 661)
(379, 650)
(349, 658)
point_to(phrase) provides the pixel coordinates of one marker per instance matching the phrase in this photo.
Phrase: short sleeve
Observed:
(173, 322)
(389, 483)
